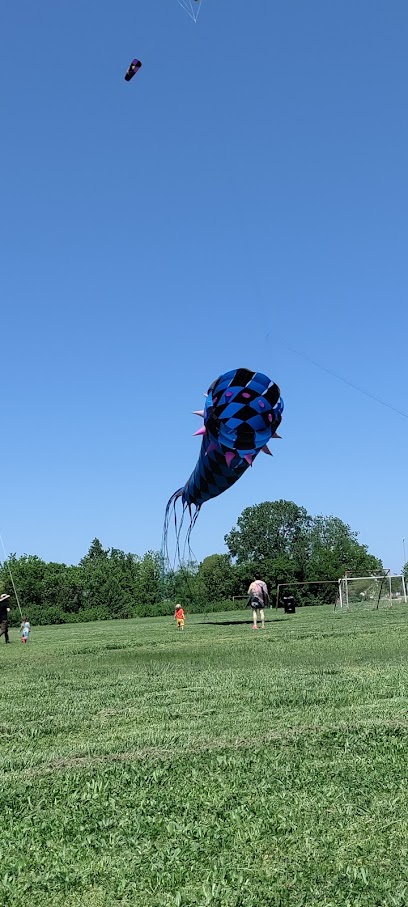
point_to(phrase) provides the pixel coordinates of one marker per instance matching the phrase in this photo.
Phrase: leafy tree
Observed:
(62, 588)
(284, 543)
(186, 586)
(334, 548)
(95, 553)
(270, 530)
(28, 573)
(149, 577)
(216, 575)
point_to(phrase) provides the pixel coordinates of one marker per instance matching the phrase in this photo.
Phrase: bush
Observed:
(201, 607)
(48, 615)
(155, 609)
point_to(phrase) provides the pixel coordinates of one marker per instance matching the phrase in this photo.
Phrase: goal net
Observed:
(371, 592)
(316, 592)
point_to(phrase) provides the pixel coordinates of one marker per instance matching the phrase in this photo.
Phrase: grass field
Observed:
(219, 766)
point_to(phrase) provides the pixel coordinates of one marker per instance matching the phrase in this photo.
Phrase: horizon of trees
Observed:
(278, 539)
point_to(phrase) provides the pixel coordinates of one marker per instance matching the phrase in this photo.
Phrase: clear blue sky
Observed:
(252, 180)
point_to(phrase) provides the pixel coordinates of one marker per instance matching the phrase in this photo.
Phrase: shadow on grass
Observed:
(236, 623)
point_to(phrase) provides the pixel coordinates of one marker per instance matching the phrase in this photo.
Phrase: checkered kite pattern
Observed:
(243, 411)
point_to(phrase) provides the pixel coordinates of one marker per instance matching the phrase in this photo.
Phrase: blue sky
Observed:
(246, 194)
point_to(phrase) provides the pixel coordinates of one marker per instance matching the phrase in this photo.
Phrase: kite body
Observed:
(242, 412)
(133, 69)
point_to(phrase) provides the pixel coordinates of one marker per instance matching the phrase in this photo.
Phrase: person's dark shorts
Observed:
(256, 603)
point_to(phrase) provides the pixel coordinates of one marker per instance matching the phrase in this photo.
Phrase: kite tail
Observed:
(171, 516)
(170, 511)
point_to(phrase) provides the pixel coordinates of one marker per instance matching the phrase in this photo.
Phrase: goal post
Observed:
(309, 592)
(371, 592)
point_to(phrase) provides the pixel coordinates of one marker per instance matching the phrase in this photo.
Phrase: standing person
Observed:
(25, 629)
(4, 613)
(179, 617)
(258, 600)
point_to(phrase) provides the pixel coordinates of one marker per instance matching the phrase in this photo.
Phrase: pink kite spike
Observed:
(265, 449)
(248, 458)
(198, 412)
(201, 431)
(210, 448)
(275, 435)
(229, 456)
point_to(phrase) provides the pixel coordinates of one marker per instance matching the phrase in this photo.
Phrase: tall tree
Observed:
(334, 548)
(283, 542)
(217, 577)
(270, 530)
(96, 552)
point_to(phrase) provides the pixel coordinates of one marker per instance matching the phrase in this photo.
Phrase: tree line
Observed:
(278, 539)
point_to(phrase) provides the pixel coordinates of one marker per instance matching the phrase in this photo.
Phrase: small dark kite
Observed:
(133, 69)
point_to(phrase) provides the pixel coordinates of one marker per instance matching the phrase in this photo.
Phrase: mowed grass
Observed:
(219, 766)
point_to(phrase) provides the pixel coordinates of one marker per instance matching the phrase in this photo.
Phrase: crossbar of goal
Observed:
(308, 582)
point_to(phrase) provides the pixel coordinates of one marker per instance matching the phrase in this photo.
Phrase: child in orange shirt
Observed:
(179, 617)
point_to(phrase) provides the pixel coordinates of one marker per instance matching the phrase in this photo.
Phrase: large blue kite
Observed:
(243, 411)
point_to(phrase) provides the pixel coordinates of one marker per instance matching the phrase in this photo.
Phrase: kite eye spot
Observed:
(261, 404)
(247, 396)
(270, 417)
(228, 393)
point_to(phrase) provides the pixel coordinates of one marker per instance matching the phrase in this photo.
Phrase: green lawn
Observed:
(219, 766)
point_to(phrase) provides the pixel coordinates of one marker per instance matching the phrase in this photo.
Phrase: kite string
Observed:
(187, 5)
(261, 298)
(198, 11)
(183, 4)
(11, 577)
(342, 378)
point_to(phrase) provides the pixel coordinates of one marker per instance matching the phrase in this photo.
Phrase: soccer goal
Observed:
(310, 592)
(371, 592)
